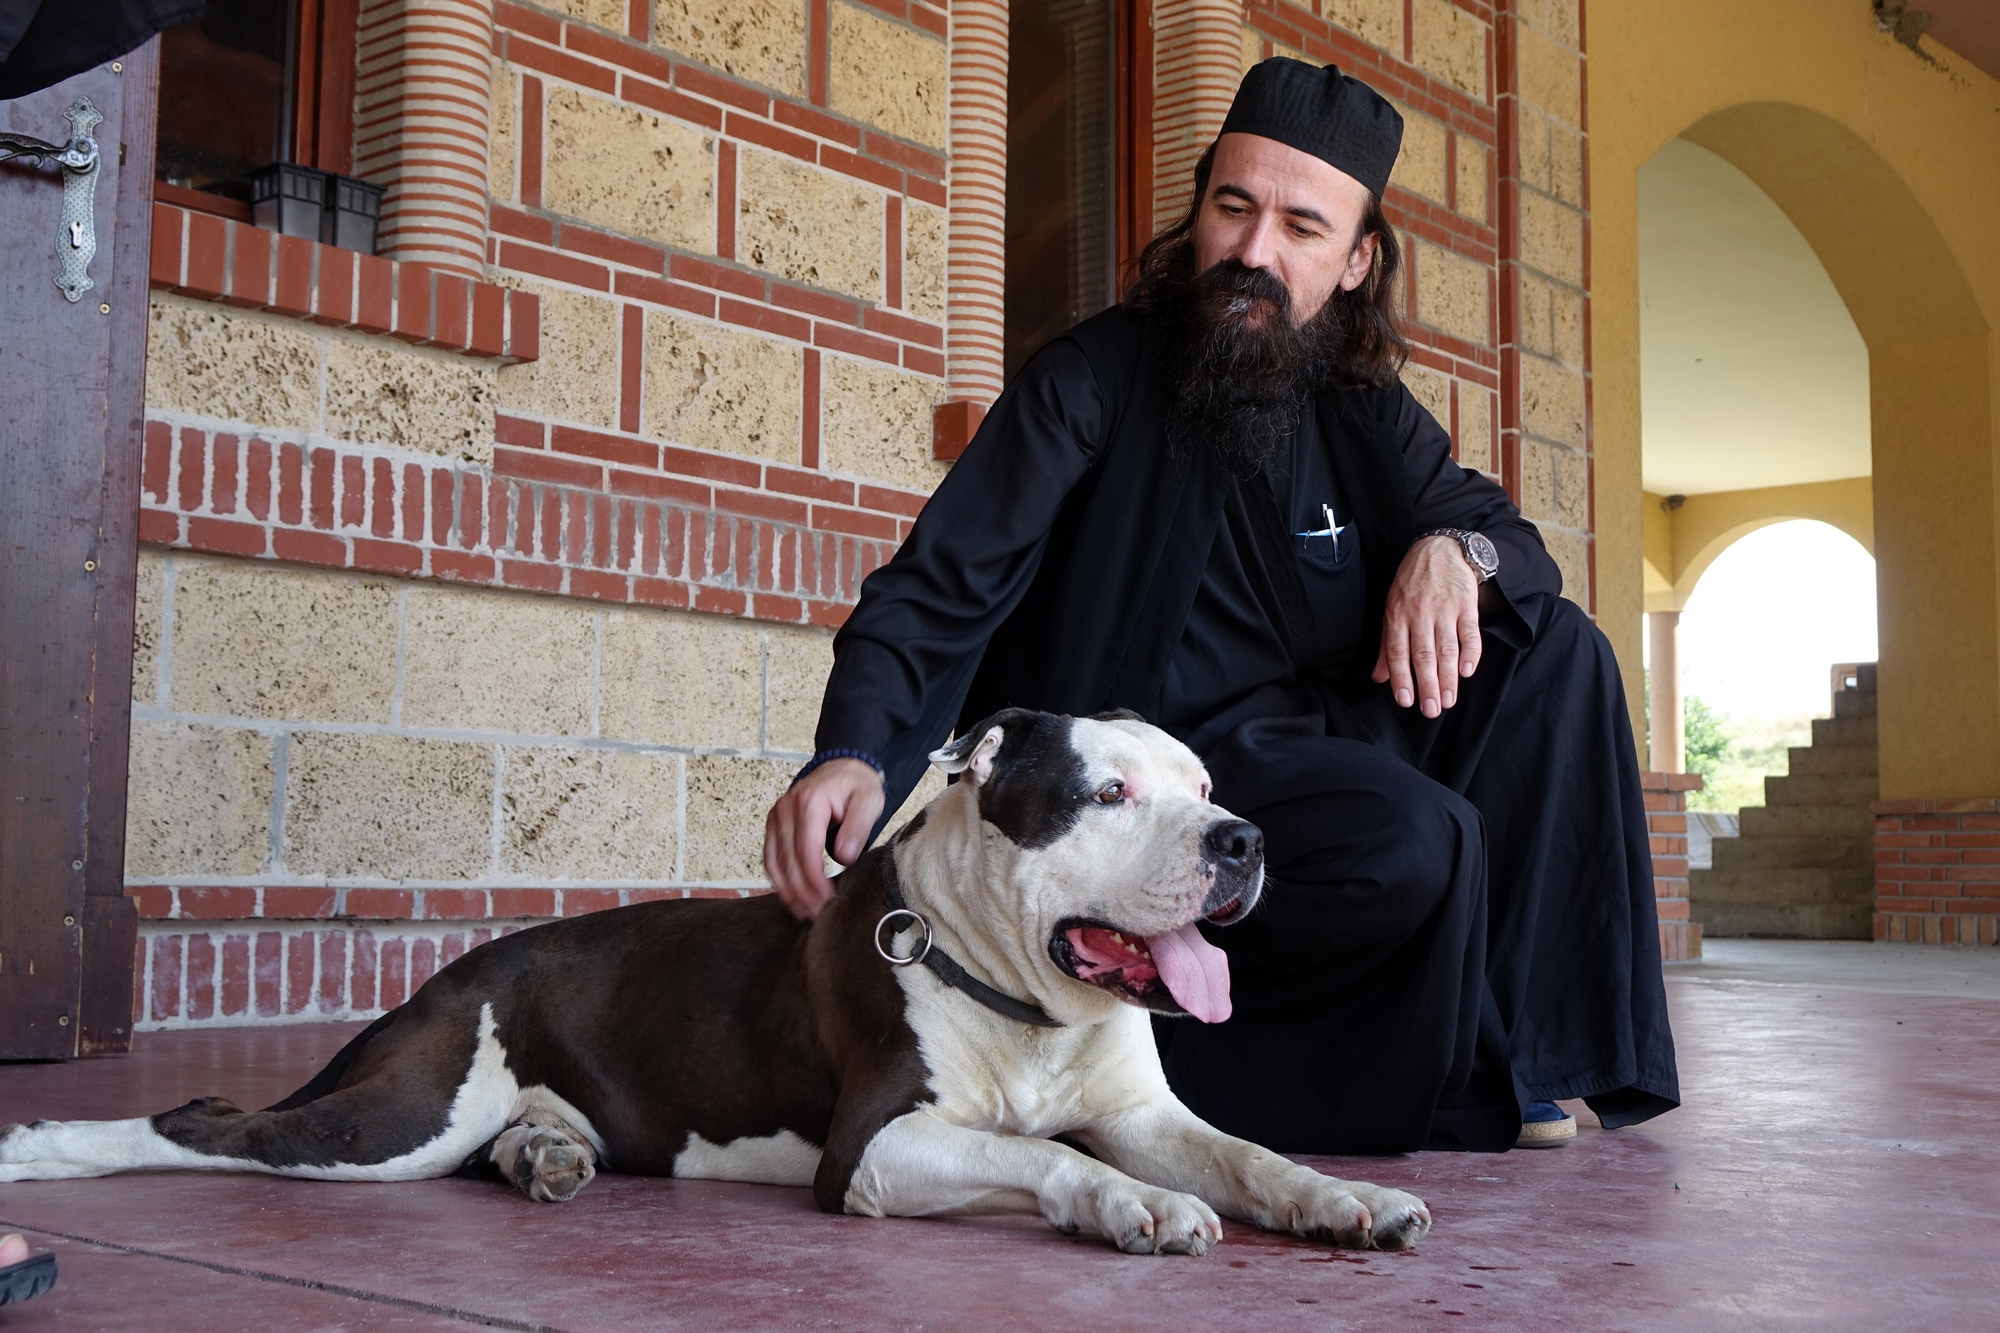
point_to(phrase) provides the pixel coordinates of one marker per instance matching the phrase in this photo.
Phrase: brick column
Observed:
(1666, 821)
(976, 223)
(1937, 871)
(1545, 439)
(1197, 63)
(422, 117)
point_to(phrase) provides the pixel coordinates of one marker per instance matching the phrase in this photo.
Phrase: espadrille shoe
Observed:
(1546, 1126)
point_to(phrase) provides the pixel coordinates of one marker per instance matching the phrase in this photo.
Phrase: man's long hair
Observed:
(1369, 345)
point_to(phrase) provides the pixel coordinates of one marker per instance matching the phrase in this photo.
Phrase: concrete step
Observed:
(1805, 821)
(1781, 887)
(1750, 921)
(1833, 760)
(1755, 854)
(1845, 731)
(1843, 789)
(1854, 703)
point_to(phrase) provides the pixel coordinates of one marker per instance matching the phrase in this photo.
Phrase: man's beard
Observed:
(1242, 371)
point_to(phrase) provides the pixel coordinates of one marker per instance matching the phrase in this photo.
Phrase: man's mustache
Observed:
(1229, 286)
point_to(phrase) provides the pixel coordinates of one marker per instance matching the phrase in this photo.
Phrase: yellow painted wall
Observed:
(1681, 543)
(1890, 168)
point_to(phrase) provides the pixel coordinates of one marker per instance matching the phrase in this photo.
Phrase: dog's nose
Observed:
(1236, 843)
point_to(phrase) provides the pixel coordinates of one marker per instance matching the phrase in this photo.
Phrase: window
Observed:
(249, 83)
(1062, 168)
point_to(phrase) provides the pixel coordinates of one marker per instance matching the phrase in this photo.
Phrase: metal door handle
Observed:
(76, 236)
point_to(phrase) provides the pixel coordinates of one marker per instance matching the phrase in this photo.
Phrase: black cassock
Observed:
(1458, 914)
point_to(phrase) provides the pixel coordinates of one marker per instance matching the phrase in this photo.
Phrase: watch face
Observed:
(1484, 554)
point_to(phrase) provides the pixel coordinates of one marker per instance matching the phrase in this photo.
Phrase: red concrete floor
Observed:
(1836, 1167)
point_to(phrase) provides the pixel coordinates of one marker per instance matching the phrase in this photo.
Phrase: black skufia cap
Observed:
(1338, 119)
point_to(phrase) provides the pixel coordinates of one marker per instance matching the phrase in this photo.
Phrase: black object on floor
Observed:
(27, 1279)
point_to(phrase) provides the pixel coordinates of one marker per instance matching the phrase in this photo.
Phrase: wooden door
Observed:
(72, 388)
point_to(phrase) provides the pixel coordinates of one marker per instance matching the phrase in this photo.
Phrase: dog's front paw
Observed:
(1355, 1216)
(1396, 1221)
(1140, 1219)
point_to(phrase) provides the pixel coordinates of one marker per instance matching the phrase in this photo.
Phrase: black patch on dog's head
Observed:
(1037, 790)
(1116, 715)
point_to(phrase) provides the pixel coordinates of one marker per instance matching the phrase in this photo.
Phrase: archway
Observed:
(1882, 163)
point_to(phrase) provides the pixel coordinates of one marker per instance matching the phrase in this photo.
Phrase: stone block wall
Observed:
(1937, 871)
(473, 601)
(1666, 823)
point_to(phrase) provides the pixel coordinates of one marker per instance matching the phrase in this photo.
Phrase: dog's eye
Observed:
(1204, 792)
(1110, 794)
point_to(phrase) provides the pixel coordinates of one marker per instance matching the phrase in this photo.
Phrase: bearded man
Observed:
(1217, 506)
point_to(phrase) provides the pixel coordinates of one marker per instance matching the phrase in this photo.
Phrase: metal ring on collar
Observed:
(916, 957)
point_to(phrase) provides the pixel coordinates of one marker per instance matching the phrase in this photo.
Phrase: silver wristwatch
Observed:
(1479, 550)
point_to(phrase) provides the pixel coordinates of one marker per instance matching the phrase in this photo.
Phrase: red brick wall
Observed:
(1937, 871)
(1666, 821)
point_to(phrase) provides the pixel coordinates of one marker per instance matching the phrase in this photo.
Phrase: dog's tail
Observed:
(327, 1079)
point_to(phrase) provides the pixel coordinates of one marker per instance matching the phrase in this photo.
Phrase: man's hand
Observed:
(1430, 631)
(846, 790)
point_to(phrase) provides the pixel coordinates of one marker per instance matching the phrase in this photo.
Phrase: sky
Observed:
(1772, 615)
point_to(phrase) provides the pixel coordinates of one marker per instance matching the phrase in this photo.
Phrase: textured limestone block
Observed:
(1420, 166)
(1431, 389)
(923, 260)
(588, 814)
(503, 142)
(1472, 178)
(1450, 43)
(1253, 48)
(1475, 429)
(1537, 326)
(1538, 481)
(604, 13)
(809, 225)
(1377, 22)
(763, 41)
(1572, 487)
(1566, 164)
(389, 807)
(146, 637)
(576, 376)
(203, 360)
(1571, 551)
(796, 665)
(1452, 293)
(727, 798)
(875, 422)
(1551, 401)
(490, 661)
(927, 790)
(717, 388)
(629, 170)
(382, 393)
(681, 680)
(1533, 136)
(1566, 310)
(1558, 18)
(1548, 75)
(1551, 238)
(254, 640)
(886, 75)
(197, 801)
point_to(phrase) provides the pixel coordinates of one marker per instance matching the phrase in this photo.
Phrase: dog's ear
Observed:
(976, 749)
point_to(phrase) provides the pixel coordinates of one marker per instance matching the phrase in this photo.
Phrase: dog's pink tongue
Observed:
(1196, 972)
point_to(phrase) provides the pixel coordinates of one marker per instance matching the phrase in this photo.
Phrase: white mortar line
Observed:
(274, 727)
(164, 662)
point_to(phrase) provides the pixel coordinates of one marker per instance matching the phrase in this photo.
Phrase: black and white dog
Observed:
(1052, 897)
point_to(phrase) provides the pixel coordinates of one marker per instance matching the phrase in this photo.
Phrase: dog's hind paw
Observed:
(547, 1165)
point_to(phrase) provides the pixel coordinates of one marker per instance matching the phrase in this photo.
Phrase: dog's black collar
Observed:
(949, 970)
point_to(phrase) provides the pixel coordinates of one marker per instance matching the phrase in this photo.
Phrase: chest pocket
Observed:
(1335, 592)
